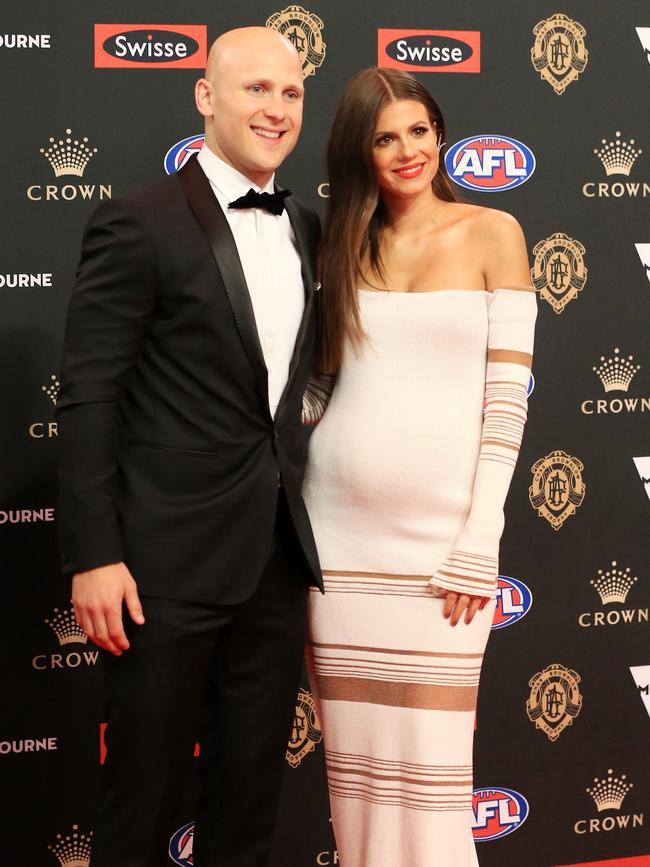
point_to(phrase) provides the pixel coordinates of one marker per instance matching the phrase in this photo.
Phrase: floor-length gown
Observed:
(392, 477)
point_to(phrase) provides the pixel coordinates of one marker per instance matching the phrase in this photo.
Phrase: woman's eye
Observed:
(420, 130)
(384, 140)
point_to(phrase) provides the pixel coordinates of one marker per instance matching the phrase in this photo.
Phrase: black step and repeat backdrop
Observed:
(547, 111)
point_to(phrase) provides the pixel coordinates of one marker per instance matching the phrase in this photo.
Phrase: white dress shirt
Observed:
(271, 264)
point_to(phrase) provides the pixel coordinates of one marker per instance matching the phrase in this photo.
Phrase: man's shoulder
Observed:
(150, 196)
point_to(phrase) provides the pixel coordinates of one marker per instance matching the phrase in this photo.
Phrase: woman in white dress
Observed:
(427, 324)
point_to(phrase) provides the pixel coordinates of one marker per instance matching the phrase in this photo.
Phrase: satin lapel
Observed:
(214, 224)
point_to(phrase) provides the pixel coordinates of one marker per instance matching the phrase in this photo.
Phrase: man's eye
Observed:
(292, 95)
(256, 88)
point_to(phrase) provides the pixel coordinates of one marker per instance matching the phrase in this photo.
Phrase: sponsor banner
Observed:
(643, 468)
(73, 848)
(555, 699)
(490, 163)
(514, 601)
(635, 861)
(151, 46)
(68, 156)
(497, 813)
(25, 281)
(429, 50)
(28, 745)
(617, 156)
(304, 30)
(644, 255)
(25, 40)
(179, 153)
(559, 53)
(644, 37)
(641, 675)
(181, 846)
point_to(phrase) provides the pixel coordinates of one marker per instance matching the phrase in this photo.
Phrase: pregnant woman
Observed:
(428, 320)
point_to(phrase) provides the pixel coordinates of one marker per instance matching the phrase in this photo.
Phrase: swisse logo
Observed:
(616, 374)
(430, 50)
(497, 813)
(179, 153)
(25, 281)
(514, 601)
(64, 625)
(608, 795)
(29, 745)
(146, 46)
(613, 586)
(490, 163)
(181, 846)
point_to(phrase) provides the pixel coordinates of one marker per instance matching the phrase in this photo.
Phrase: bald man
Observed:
(188, 347)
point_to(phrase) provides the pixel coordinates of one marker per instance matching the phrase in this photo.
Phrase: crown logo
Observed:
(68, 156)
(66, 628)
(617, 373)
(73, 850)
(614, 584)
(52, 390)
(609, 793)
(617, 157)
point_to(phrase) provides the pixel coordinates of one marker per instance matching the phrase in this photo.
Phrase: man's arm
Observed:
(110, 310)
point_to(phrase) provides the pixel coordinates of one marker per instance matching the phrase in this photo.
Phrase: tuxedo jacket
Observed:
(170, 459)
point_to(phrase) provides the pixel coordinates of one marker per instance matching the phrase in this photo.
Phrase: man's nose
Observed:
(275, 107)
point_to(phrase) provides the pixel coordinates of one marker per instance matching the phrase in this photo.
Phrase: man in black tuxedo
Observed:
(188, 347)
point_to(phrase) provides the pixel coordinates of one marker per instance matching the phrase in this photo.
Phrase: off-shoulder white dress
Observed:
(407, 476)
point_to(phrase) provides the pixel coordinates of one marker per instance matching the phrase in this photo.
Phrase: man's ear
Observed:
(203, 96)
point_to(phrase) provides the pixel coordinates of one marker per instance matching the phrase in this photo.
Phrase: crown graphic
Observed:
(68, 156)
(614, 584)
(609, 793)
(66, 628)
(52, 390)
(617, 157)
(616, 373)
(73, 850)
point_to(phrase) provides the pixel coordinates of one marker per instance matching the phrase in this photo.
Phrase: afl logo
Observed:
(181, 844)
(179, 154)
(497, 813)
(531, 385)
(514, 601)
(490, 163)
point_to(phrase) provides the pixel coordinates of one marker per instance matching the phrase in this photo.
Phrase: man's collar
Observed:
(230, 183)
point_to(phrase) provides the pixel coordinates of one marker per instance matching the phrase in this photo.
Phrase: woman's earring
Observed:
(440, 144)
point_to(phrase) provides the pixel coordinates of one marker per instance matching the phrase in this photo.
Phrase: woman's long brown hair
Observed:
(355, 218)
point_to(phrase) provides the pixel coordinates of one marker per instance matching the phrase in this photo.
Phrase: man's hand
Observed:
(456, 603)
(97, 596)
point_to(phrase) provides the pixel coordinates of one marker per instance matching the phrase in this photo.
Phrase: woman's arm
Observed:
(471, 568)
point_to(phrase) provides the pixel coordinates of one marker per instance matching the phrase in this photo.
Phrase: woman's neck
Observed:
(404, 215)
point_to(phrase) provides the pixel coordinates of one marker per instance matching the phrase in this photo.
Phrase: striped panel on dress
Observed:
(440, 788)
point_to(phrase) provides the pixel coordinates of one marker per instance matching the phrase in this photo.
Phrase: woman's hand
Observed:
(456, 603)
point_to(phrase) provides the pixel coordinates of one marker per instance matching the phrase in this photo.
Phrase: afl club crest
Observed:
(557, 489)
(554, 700)
(559, 271)
(559, 52)
(306, 731)
(305, 32)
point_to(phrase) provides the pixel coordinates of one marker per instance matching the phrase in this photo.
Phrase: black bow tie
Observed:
(271, 202)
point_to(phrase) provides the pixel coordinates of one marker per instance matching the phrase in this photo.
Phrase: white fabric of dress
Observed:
(407, 475)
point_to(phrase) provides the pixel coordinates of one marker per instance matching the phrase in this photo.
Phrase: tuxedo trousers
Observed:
(227, 677)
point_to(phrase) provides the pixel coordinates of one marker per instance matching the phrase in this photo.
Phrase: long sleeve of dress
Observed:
(472, 565)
